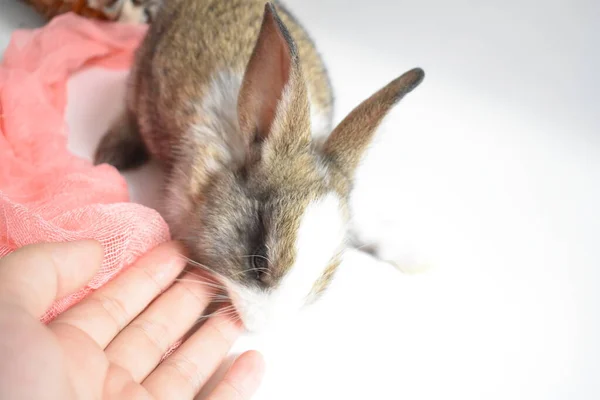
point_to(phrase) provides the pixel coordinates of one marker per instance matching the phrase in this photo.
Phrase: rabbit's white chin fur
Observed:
(320, 238)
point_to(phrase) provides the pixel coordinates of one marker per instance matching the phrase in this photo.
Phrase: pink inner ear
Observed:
(267, 73)
(274, 77)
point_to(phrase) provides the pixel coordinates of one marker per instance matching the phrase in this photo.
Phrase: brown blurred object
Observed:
(52, 8)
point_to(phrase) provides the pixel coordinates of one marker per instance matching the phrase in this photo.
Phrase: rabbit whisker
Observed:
(204, 283)
(200, 265)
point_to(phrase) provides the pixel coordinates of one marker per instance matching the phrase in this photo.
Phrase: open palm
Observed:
(109, 346)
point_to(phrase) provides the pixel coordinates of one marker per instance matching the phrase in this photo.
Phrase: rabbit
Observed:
(235, 103)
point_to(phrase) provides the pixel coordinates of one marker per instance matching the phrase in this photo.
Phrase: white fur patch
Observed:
(320, 123)
(220, 119)
(219, 134)
(320, 237)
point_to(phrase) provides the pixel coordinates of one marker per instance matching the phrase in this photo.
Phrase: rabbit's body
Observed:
(186, 81)
(229, 96)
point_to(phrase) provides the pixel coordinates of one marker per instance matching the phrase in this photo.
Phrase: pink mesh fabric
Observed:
(46, 193)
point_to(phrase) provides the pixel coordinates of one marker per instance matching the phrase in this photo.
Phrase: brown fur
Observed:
(237, 195)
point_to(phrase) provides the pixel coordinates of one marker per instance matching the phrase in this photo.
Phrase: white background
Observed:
(489, 173)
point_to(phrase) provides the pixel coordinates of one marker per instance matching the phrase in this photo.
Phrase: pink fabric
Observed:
(46, 193)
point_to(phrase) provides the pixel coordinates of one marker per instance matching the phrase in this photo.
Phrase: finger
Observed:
(183, 374)
(107, 311)
(33, 276)
(242, 380)
(141, 345)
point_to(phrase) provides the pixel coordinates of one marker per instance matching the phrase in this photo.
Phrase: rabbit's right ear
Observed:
(273, 99)
(349, 140)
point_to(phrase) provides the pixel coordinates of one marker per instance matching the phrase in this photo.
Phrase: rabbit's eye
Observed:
(259, 266)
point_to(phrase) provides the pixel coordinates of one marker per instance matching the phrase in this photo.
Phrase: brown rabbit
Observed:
(234, 101)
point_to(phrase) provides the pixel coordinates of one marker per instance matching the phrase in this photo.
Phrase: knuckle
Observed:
(114, 309)
(149, 276)
(234, 392)
(155, 332)
(220, 334)
(186, 370)
(196, 293)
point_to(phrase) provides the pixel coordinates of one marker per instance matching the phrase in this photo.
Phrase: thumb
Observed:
(33, 276)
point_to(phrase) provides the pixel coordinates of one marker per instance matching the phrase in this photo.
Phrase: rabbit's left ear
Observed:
(349, 140)
(273, 99)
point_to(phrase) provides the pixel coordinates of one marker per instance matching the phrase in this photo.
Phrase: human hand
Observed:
(108, 346)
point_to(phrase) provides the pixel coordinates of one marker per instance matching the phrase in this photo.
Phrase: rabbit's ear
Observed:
(273, 98)
(349, 140)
